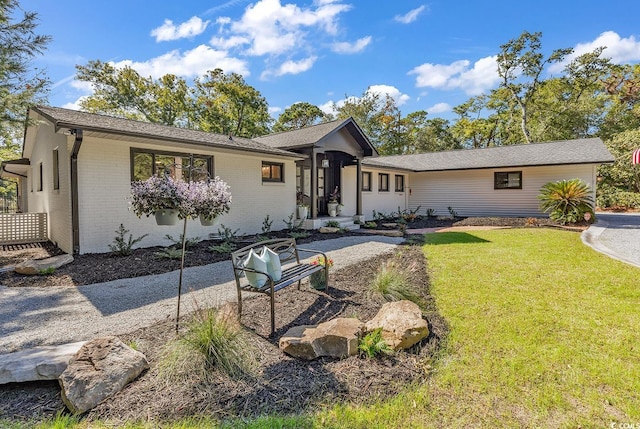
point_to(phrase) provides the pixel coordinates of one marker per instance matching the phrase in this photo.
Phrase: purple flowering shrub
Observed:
(207, 198)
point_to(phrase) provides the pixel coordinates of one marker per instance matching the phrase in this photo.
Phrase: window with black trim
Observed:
(146, 163)
(399, 183)
(383, 182)
(507, 180)
(272, 172)
(366, 180)
(56, 170)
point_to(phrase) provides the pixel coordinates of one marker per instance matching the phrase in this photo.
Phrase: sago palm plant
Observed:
(567, 201)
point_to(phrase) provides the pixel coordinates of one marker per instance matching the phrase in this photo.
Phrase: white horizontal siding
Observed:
(471, 192)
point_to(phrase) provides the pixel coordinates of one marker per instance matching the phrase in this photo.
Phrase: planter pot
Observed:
(333, 209)
(206, 221)
(318, 280)
(303, 212)
(166, 217)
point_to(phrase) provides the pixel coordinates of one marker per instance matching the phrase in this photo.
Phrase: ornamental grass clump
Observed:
(392, 285)
(568, 201)
(214, 344)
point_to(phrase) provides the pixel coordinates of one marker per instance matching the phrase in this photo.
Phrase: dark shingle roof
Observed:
(580, 151)
(310, 136)
(66, 118)
(303, 136)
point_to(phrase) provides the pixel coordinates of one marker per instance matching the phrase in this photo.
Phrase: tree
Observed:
(225, 103)
(520, 64)
(20, 86)
(123, 92)
(299, 115)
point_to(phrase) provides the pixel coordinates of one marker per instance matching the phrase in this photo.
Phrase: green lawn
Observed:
(544, 332)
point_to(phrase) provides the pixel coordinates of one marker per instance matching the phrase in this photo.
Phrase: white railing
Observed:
(18, 228)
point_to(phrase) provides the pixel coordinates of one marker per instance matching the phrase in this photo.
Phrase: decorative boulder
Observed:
(401, 322)
(38, 363)
(335, 338)
(34, 267)
(100, 368)
(328, 230)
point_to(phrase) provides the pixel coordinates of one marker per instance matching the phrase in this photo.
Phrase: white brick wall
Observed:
(105, 177)
(56, 203)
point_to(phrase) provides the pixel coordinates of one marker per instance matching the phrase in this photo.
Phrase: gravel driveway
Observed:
(31, 317)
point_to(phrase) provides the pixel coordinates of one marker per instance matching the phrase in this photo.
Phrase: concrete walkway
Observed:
(31, 317)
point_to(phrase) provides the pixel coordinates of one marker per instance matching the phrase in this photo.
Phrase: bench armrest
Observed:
(317, 252)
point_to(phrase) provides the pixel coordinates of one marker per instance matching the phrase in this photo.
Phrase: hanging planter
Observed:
(205, 221)
(167, 216)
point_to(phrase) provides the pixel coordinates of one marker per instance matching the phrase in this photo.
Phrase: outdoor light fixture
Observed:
(325, 162)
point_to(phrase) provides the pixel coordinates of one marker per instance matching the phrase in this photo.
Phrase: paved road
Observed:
(617, 235)
(32, 316)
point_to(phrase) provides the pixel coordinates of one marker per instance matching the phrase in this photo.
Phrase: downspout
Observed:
(75, 222)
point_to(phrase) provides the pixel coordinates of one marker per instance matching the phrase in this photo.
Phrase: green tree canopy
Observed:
(20, 85)
(300, 115)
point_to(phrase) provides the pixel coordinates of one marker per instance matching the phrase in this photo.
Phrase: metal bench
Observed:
(292, 270)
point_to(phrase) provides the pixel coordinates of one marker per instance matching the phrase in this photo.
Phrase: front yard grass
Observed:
(544, 332)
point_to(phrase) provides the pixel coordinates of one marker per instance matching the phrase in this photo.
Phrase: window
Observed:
(56, 170)
(366, 180)
(272, 172)
(399, 183)
(40, 178)
(507, 180)
(383, 182)
(147, 163)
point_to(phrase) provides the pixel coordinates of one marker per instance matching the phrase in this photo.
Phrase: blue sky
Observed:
(427, 55)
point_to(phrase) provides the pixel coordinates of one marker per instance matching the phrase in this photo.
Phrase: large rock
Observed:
(401, 322)
(32, 267)
(328, 230)
(335, 338)
(39, 363)
(100, 368)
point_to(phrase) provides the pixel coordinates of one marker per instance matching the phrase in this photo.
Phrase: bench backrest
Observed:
(284, 247)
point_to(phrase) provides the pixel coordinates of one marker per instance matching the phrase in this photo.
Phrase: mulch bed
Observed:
(282, 385)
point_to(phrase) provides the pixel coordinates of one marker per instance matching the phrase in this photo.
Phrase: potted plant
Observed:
(301, 207)
(318, 280)
(161, 196)
(332, 205)
(208, 200)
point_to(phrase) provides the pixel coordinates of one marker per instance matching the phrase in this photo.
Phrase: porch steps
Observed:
(345, 222)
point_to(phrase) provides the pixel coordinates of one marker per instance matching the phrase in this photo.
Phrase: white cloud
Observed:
(457, 75)
(270, 28)
(75, 105)
(190, 63)
(391, 91)
(275, 109)
(439, 108)
(410, 16)
(291, 67)
(351, 48)
(169, 31)
(620, 50)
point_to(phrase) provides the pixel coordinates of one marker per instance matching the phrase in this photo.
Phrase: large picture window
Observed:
(507, 180)
(147, 163)
(272, 172)
(366, 180)
(383, 182)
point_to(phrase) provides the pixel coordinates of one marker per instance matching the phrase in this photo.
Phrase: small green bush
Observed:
(566, 201)
(299, 234)
(609, 197)
(189, 242)
(223, 248)
(266, 225)
(169, 253)
(47, 271)
(332, 224)
(122, 247)
(373, 345)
